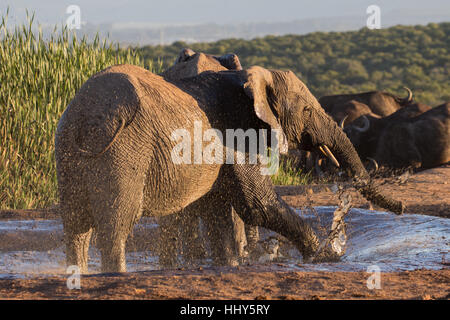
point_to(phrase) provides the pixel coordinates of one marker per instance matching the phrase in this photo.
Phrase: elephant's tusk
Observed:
(326, 151)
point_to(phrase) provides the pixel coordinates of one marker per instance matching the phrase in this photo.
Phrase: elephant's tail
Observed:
(108, 146)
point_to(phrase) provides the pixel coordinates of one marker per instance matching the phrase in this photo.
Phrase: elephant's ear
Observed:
(184, 55)
(230, 61)
(258, 85)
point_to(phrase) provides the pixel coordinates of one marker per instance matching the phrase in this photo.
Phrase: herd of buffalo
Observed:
(391, 131)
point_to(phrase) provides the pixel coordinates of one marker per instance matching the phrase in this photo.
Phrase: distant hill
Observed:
(343, 62)
(138, 34)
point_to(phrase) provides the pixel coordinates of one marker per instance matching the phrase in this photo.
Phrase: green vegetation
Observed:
(38, 79)
(346, 62)
(287, 174)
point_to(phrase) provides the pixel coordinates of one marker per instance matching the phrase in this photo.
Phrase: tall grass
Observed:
(38, 78)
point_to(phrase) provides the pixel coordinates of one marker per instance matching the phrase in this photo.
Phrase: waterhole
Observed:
(30, 248)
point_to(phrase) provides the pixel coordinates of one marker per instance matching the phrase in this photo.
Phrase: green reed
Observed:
(38, 78)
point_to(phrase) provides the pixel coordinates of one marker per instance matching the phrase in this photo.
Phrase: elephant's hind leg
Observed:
(77, 236)
(116, 210)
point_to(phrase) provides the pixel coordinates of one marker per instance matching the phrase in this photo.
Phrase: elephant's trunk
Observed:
(339, 144)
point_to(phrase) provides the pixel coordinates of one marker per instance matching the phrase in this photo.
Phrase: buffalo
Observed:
(409, 137)
(380, 103)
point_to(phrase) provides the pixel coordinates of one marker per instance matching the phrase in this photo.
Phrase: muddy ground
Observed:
(427, 192)
(236, 283)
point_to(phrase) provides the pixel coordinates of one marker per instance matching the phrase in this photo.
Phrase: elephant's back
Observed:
(119, 94)
(98, 107)
(151, 110)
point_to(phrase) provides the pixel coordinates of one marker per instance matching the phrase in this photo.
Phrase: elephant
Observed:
(182, 230)
(416, 136)
(380, 103)
(345, 112)
(117, 154)
(189, 64)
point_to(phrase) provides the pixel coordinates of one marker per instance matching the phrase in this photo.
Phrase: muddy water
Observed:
(34, 247)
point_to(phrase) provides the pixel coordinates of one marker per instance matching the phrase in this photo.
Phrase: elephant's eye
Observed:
(308, 109)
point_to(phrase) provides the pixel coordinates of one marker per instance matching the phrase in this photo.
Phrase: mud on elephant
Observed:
(113, 152)
(195, 232)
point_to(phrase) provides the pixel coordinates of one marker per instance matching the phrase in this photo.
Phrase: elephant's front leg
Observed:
(225, 231)
(180, 233)
(252, 236)
(220, 226)
(255, 200)
(168, 241)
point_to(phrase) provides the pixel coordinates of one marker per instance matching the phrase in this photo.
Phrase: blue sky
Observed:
(169, 12)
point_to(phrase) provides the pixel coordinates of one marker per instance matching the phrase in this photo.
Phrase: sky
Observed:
(182, 12)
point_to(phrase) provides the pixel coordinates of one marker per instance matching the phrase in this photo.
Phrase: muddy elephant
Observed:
(380, 103)
(345, 112)
(416, 136)
(117, 150)
(342, 111)
(189, 232)
(190, 63)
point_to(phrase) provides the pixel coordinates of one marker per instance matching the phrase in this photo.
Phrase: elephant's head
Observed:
(190, 63)
(283, 101)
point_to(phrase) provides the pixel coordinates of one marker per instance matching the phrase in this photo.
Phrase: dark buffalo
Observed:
(350, 111)
(407, 138)
(379, 102)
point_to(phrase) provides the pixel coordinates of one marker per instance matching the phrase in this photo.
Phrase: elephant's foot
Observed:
(325, 255)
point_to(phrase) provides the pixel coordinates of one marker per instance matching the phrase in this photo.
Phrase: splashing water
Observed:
(34, 247)
(392, 242)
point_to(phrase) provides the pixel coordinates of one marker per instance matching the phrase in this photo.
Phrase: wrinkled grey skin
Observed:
(341, 112)
(185, 232)
(416, 136)
(344, 113)
(113, 154)
(380, 103)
